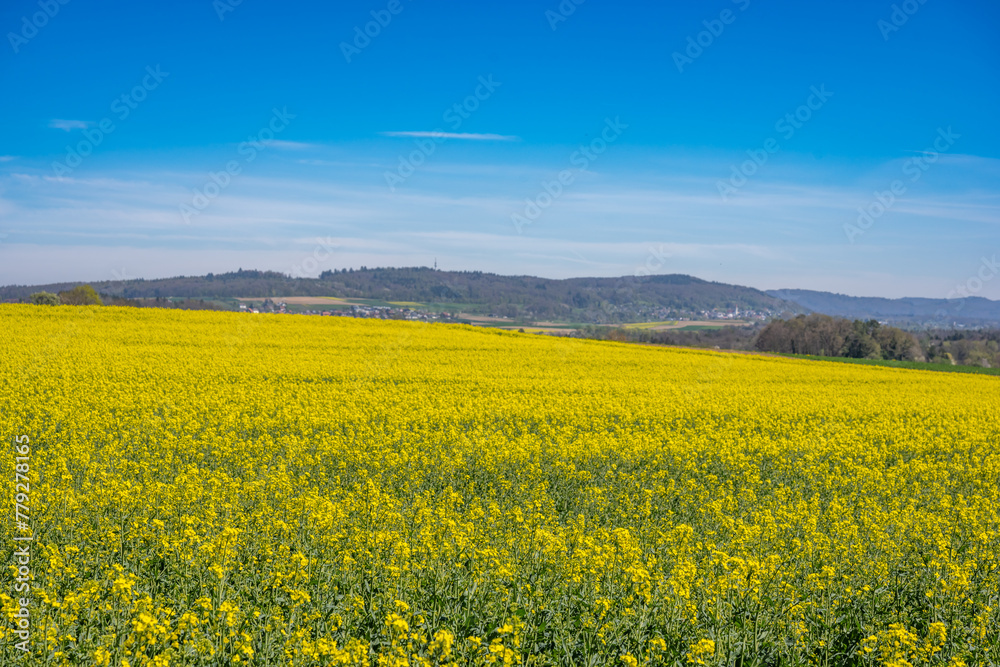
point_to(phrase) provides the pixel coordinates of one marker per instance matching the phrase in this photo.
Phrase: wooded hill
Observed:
(579, 300)
(916, 312)
(585, 300)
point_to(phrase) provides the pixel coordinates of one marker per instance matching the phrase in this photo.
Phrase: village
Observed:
(352, 310)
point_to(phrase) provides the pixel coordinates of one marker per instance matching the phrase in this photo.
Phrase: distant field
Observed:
(650, 325)
(696, 327)
(913, 365)
(483, 318)
(686, 325)
(553, 330)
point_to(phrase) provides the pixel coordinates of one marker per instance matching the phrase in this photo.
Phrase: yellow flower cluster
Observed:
(219, 488)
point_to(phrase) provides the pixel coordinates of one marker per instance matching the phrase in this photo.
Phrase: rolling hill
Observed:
(528, 298)
(969, 311)
(585, 300)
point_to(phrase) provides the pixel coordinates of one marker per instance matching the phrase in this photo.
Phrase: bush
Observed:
(81, 295)
(45, 299)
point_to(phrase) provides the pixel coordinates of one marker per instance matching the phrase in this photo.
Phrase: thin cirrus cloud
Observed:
(469, 136)
(291, 145)
(773, 231)
(67, 125)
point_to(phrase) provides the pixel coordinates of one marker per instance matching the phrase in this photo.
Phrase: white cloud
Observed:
(319, 163)
(67, 125)
(454, 135)
(777, 233)
(291, 145)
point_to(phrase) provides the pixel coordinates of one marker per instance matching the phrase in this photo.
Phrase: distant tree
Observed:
(823, 335)
(45, 299)
(81, 295)
(860, 345)
(775, 337)
(897, 344)
(870, 327)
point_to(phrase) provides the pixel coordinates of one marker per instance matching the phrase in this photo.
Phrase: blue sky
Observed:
(842, 146)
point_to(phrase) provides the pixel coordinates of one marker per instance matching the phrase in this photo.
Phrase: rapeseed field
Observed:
(238, 489)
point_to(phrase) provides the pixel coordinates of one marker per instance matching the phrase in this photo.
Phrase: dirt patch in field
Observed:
(482, 318)
(699, 323)
(299, 300)
(545, 330)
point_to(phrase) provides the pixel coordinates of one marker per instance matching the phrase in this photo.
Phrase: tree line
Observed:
(81, 295)
(85, 295)
(823, 335)
(826, 336)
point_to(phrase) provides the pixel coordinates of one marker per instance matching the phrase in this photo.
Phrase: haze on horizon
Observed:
(847, 147)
